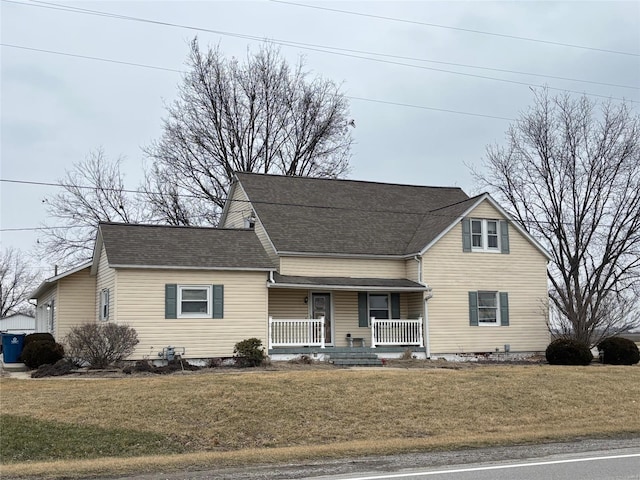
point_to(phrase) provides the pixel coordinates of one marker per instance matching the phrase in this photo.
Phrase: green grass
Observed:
(27, 439)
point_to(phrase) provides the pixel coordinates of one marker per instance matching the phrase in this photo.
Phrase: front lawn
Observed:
(88, 426)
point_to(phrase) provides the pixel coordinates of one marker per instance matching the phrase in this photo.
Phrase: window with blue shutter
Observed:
(466, 235)
(473, 309)
(218, 301)
(194, 301)
(363, 313)
(487, 308)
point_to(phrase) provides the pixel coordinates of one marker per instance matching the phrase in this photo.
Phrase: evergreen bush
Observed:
(619, 351)
(566, 351)
(249, 352)
(41, 352)
(38, 337)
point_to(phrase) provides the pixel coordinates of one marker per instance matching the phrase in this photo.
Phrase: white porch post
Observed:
(373, 332)
(270, 339)
(322, 336)
(420, 334)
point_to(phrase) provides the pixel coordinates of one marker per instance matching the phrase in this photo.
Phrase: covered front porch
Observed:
(319, 316)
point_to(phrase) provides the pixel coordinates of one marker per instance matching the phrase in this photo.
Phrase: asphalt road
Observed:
(587, 459)
(618, 464)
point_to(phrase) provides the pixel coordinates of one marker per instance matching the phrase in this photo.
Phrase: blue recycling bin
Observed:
(12, 344)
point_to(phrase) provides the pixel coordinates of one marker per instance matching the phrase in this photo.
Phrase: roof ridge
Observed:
(350, 180)
(161, 225)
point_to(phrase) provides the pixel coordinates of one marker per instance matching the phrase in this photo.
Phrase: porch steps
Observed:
(355, 359)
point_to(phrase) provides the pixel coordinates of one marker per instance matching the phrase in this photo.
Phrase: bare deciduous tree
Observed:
(18, 280)
(93, 191)
(570, 174)
(262, 116)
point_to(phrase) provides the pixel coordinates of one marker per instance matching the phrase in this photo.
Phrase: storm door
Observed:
(321, 307)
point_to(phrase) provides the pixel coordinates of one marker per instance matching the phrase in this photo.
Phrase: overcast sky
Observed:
(57, 108)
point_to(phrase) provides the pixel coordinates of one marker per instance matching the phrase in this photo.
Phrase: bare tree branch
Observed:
(18, 280)
(93, 192)
(261, 116)
(570, 175)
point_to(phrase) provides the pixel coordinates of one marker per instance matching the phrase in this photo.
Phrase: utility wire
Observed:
(292, 43)
(423, 213)
(448, 27)
(529, 85)
(86, 57)
(306, 46)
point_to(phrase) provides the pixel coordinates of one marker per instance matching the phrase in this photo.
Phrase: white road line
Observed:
(493, 467)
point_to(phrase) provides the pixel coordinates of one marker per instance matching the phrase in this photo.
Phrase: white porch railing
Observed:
(296, 333)
(396, 332)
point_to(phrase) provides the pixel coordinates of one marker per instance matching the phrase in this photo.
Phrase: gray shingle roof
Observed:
(187, 247)
(313, 215)
(348, 282)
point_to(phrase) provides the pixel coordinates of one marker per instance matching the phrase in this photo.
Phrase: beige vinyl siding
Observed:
(141, 305)
(452, 274)
(105, 278)
(76, 301)
(342, 267)
(412, 269)
(239, 209)
(415, 305)
(288, 304)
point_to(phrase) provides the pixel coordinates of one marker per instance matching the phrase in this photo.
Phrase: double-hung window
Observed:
(194, 301)
(485, 235)
(488, 308)
(379, 305)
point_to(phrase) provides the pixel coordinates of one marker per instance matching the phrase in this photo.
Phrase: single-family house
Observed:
(321, 267)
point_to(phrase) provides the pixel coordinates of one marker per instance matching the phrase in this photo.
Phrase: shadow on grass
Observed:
(27, 439)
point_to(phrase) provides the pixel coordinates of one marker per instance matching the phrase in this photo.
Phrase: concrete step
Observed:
(356, 362)
(371, 356)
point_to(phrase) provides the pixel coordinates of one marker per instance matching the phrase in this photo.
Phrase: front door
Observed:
(321, 307)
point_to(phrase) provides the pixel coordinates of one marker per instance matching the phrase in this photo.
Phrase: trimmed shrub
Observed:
(619, 351)
(565, 351)
(249, 353)
(99, 345)
(41, 352)
(38, 337)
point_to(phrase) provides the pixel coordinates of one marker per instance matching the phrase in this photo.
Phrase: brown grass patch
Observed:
(279, 416)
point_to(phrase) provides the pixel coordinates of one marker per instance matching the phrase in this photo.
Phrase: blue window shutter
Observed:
(504, 309)
(395, 305)
(170, 301)
(466, 235)
(473, 309)
(363, 316)
(504, 236)
(218, 301)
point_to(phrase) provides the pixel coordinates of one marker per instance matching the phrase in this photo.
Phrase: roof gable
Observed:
(164, 246)
(347, 217)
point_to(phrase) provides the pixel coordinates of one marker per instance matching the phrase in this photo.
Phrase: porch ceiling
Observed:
(346, 283)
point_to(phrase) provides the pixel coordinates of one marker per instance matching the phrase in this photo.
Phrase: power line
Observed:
(257, 202)
(292, 43)
(86, 57)
(323, 49)
(448, 27)
(133, 64)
